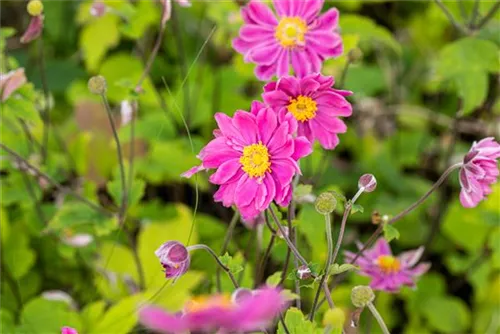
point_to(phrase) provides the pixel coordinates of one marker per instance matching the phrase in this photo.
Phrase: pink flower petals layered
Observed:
(479, 172)
(255, 156)
(297, 36)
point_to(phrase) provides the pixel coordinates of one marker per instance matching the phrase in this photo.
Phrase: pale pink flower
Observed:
(313, 103)
(255, 156)
(34, 29)
(98, 8)
(247, 311)
(479, 171)
(78, 240)
(10, 82)
(297, 35)
(389, 273)
(68, 330)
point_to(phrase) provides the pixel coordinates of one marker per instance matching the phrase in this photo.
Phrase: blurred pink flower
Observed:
(246, 311)
(255, 154)
(10, 82)
(174, 257)
(68, 330)
(34, 29)
(78, 240)
(314, 104)
(167, 9)
(299, 36)
(479, 171)
(98, 8)
(253, 223)
(388, 272)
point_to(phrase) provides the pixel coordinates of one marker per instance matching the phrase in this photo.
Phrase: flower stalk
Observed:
(378, 317)
(216, 258)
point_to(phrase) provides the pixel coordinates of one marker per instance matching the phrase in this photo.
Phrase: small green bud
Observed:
(325, 203)
(97, 85)
(362, 295)
(334, 317)
(35, 7)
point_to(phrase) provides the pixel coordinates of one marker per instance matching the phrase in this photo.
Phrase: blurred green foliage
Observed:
(423, 91)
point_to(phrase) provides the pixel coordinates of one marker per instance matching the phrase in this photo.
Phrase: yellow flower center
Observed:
(255, 160)
(303, 108)
(388, 264)
(291, 32)
(201, 303)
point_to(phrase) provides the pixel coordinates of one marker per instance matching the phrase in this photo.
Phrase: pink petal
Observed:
(226, 171)
(245, 123)
(256, 12)
(279, 138)
(300, 63)
(382, 247)
(266, 122)
(265, 54)
(257, 33)
(311, 10)
(282, 172)
(265, 72)
(246, 190)
(225, 194)
(161, 321)
(282, 66)
(328, 20)
(302, 148)
(192, 171)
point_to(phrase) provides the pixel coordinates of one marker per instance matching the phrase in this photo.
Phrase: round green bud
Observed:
(362, 295)
(334, 317)
(325, 203)
(97, 85)
(35, 7)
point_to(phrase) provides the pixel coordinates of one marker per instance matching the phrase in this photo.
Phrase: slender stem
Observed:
(221, 265)
(123, 206)
(488, 16)
(54, 183)
(138, 263)
(151, 58)
(132, 150)
(343, 75)
(264, 259)
(285, 266)
(282, 320)
(324, 278)
(225, 243)
(475, 12)
(46, 95)
(347, 210)
(450, 17)
(379, 319)
(463, 13)
(14, 286)
(294, 239)
(36, 204)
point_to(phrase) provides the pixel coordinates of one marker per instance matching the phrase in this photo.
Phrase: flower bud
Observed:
(325, 203)
(362, 295)
(174, 257)
(470, 155)
(240, 295)
(304, 272)
(98, 9)
(334, 317)
(368, 182)
(34, 29)
(35, 7)
(97, 85)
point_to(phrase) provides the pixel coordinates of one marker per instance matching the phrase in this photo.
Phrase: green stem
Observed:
(225, 244)
(379, 319)
(221, 265)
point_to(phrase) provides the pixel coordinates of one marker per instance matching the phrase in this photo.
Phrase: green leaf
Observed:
(47, 316)
(97, 37)
(7, 321)
(74, 215)
(336, 269)
(229, 262)
(18, 257)
(365, 80)
(20, 107)
(120, 318)
(135, 195)
(302, 190)
(390, 232)
(274, 279)
(296, 323)
(447, 314)
(357, 208)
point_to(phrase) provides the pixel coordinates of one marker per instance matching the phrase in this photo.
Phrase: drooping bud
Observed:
(240, 294)
(35, 7)
(98, 9)
(368, 182)
(304, 272)
(362, 295)
(334, 317)
(470, 155)
(34, 29)
(325, 203)
(10, 82)
(174, 257)
(97, 85)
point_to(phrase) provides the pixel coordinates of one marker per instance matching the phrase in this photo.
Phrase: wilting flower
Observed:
(34, 29)
(10, 82)
(388, 272)
(167, 9)
(248, 311)
(68, 330)
(313, 103)
(174, 257)
(479, 171)
(255, 155)
(298, 36)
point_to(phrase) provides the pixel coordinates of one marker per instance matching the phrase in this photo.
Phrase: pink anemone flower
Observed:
(314, 104)
(298, 36)
(389, 273)
(68, 330)
(245, 311)
(255, 155)
(479, 171)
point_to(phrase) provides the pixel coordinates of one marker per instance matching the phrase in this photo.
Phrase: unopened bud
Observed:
(362, 295)
(98, 9)
(376, 218)
(174, 258)
(97, 85)
(35, 7)
(303, 272)
(325, 203)
(368, 182)
(334, 317)
(355, 55)
(285, 229)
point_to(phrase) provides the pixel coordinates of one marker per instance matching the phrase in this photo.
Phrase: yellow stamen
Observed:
(291, 32)
(388, 264)
(205, 302)
(255, 160)
(303, 108)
